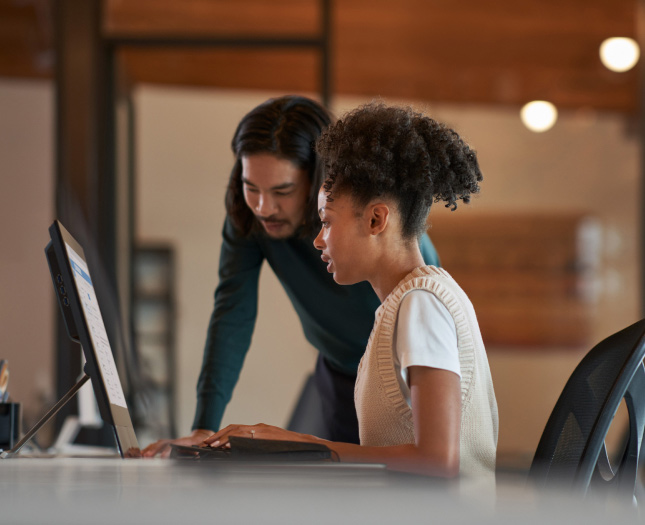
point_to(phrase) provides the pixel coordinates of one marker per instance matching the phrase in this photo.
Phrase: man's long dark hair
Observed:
(288, 128)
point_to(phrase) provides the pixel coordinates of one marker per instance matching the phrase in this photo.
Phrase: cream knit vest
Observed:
(384, 416)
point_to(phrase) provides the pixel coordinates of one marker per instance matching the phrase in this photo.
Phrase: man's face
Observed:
(276, 191)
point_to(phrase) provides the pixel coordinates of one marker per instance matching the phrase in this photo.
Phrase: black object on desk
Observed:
(9, 425)
(249, 449)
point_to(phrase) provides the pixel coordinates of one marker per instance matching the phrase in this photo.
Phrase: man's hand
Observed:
(162, 447)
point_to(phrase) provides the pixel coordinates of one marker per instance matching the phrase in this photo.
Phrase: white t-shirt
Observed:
(424, 335)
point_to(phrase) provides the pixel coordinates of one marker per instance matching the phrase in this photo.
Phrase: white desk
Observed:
(155, 491)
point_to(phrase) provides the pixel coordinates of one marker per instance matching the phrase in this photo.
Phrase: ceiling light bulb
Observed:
(619, 54)
(539, 115)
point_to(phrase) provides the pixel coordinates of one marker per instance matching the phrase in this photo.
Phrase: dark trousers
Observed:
(336, 391)
(326, 405)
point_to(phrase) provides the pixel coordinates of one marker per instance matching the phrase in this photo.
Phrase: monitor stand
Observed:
(51, 413)
(88, 417)
(65, 446)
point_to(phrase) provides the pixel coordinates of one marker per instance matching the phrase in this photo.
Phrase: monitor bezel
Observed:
(70, 304)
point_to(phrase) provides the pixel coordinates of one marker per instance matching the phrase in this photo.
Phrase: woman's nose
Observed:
(318, 241)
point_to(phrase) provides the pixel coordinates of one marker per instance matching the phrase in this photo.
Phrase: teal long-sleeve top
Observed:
(336, 320)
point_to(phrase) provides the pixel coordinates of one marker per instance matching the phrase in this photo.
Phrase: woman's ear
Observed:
(379, 214)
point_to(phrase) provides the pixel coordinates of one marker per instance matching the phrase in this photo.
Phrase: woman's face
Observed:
(343, 238)
(276, 191)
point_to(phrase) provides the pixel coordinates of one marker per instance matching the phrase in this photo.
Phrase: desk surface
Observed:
(139, 491)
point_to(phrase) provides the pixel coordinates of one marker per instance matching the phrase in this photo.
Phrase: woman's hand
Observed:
(162, 447)
(260, 431)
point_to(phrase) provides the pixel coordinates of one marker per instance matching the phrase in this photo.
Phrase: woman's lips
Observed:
(327, 261)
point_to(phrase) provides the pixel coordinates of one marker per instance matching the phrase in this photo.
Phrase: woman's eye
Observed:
(250, 190)
(282, 193)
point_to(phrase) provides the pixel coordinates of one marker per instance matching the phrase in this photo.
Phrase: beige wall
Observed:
(26, 211)
(588, 162)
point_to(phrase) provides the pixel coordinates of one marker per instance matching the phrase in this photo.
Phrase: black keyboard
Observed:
(253, 449)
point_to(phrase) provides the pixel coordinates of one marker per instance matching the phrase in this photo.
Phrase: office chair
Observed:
(572, 452)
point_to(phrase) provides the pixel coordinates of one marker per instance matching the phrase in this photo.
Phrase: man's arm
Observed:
(230, 327)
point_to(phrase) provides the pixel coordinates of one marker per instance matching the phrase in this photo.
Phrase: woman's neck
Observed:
(393, 266)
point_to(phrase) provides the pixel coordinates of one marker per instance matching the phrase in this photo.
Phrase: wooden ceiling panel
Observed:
(26, 39)
(211, 17)
(475, 51)
(472, 51)
(276, 70)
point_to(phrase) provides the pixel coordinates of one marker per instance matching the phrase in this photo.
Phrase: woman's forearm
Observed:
(406, 458)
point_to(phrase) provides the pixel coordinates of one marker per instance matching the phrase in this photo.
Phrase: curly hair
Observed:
(288, 128)
(387, 151)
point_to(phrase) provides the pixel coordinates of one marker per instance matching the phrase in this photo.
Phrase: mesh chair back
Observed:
(571, 451)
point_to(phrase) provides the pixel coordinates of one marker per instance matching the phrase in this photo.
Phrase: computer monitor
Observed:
(80, 309)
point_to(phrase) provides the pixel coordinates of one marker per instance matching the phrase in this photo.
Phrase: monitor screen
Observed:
(98, 334)
(80, 309)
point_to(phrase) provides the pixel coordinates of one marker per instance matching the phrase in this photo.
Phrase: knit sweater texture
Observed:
(384, 416)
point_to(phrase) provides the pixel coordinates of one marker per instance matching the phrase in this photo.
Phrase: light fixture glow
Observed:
(539, 115)
(619, 53)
